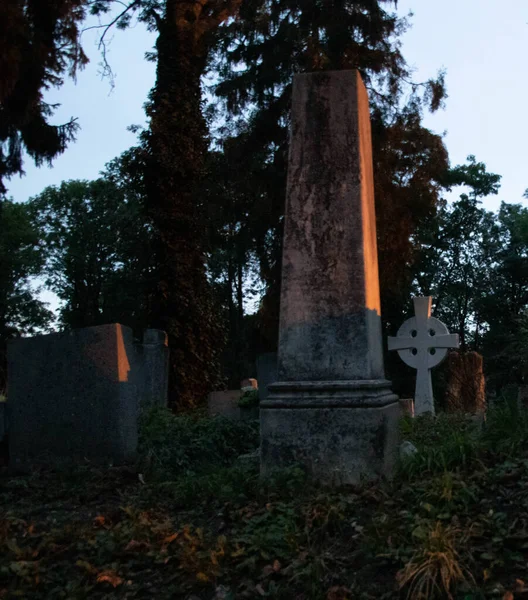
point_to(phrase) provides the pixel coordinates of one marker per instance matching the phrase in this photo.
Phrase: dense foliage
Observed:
(39, 46)
(451, 525)
(259, 53)
(172, 157)
(21, 312)
(96, 248)
(183, 232)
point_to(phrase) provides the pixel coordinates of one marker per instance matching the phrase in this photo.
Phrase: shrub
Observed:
(249, 398)
(180, 444)
(444, 442)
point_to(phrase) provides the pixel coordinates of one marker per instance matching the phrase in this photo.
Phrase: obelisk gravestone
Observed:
(331, 409)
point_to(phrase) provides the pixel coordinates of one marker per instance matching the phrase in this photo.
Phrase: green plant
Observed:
(506, 427)
(249, 398)
(172, 444)
(436, 567)
(443, 442)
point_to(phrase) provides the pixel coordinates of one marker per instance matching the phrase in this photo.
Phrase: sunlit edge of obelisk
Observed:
(339, 418)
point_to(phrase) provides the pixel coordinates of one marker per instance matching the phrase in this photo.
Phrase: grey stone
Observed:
(337, 446)
(422, 343)
(3, 420)
(407, 449)
(224, 404)
(331, 408)
(152, 374)
(73, 396)
(266, 372)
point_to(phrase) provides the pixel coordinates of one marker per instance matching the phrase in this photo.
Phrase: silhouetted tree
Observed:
(39, 46)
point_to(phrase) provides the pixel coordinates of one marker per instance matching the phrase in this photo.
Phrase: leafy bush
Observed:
(179, 444)
(453, 441)
(444, 442)
(249, 398)
(506, 429)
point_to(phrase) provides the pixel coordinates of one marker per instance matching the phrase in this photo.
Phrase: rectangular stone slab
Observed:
(73, 396)
(336, 446)
(330, 326)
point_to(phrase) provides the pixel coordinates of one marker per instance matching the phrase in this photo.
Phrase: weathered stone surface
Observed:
(224, 404)
(266, 372)
(153, 369)
(73, 396)
(330, 326)
(331, 408)
(466, 386)
(249, 383)
(336, 446)
(422, 343)
(407, 450)
(3, 420)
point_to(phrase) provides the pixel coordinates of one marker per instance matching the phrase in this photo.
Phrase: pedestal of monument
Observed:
(332, 410)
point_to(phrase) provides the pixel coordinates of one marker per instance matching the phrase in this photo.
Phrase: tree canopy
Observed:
(39, 46)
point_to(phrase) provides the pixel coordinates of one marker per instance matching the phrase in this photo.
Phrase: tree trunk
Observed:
(176, 148)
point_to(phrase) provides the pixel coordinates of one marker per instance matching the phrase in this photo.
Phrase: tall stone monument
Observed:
(331, 409)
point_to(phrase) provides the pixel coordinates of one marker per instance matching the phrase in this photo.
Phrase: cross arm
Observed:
(399, 343)
(446, 341)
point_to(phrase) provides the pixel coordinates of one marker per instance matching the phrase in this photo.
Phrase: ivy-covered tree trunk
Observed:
(181, 303)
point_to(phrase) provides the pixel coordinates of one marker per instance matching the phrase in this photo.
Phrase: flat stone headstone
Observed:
(466, 386)
(266, 372)
(3, 420)
(224, 404)
(73, 397)
(153, 369)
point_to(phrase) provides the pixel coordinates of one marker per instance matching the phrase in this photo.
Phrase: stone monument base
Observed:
(341, 432)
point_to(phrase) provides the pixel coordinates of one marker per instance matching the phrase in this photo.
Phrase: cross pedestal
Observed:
(422, 343)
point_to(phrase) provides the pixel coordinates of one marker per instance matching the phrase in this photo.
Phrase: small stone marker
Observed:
(422, 343)
(466, 385)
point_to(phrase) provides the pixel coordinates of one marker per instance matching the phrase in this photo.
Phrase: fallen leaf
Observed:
(170, 538)
(260, 590)
(99, 521)
(507, 596)
(338, 592)
(276, 566)
(202, 577)
(238, 552)
(110, 577)
(134, 545)
(83, 564)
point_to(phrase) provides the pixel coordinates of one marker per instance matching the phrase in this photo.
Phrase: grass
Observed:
(199, 522)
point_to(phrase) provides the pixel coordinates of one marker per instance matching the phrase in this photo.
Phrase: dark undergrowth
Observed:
(194, 521)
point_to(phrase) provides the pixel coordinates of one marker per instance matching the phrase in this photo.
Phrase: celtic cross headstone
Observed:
(422, 343)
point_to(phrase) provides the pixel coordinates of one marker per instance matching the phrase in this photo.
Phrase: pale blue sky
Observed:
(483, 45)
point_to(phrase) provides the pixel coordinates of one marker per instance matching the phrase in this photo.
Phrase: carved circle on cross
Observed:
(422, 341)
